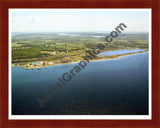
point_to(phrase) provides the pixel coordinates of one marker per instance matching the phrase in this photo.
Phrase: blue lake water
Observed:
(119, 52)
(36, 63)
(108, 87)
(98, 36)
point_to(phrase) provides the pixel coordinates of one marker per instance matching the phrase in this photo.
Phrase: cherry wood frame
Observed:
(6, 4)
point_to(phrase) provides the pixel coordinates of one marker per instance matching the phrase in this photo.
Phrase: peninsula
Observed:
(40, 50)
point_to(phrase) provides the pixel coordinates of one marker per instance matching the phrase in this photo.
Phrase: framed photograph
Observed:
(79, 64)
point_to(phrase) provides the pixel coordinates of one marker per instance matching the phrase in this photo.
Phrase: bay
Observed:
(108, 87)
(119, 52)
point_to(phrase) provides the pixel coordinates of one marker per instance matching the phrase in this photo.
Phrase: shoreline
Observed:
(38, 67)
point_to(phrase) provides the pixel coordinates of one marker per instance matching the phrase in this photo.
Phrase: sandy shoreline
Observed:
(28, 66)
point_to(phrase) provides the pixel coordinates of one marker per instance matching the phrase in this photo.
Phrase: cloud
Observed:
(32, 19)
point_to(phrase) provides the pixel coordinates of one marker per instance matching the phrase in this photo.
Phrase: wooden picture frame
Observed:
(119, 4)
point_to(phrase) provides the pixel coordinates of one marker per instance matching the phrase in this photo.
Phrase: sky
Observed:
(77, 20)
